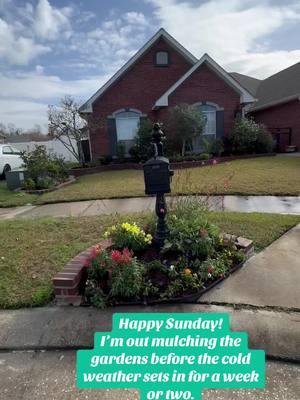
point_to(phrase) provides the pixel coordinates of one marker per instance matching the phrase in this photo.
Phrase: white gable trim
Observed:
(88, 106)
(245, 96)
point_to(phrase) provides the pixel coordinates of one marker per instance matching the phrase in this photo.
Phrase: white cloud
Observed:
(25, 97)
(230, 31)
(16, 49)
(114, 41)
(23, 113)
(136, 18)
(50, 22)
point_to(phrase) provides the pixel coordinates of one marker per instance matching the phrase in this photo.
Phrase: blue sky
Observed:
(49, 48)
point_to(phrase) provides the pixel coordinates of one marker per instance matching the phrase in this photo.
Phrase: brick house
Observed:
(278, 104)
(160, 75)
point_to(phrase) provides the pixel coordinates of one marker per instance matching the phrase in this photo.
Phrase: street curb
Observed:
(73, 327)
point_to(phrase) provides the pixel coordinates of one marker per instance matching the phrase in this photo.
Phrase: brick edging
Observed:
(68, 284)
(174, 165)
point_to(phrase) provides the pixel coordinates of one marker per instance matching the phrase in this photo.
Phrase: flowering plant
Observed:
(129, 236)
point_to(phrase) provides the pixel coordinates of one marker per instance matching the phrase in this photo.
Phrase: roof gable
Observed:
(245, 95)
(87, 107)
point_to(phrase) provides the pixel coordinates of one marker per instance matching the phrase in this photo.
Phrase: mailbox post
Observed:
(157, 176)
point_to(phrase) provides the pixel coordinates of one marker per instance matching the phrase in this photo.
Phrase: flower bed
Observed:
(128, 268)
(173, 165)
(71, 179)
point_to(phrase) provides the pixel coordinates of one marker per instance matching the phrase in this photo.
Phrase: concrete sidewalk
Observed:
(73, 327)
(267, 204)
(270, 278)
(51, 376)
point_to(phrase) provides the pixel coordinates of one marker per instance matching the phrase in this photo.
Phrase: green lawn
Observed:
(278, 175)
(32, 251)
(12, 199)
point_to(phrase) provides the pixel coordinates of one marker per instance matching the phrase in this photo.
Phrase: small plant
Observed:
(128, 235)
(213, 146)
(204, 156)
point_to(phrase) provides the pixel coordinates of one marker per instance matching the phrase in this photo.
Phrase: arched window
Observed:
(127, 124)
(162, 58)
(209, 113)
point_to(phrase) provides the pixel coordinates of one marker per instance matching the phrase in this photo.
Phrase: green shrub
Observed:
(265, 142)
(44, 183)
(204, 156)
(248, 137)
(105, 160)
(43, 170)
(29, 184)
(213, 146)
(142, 148)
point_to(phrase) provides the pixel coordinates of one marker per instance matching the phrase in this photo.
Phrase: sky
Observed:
(52, 48)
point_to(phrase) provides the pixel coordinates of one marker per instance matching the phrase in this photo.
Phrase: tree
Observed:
(66, 125)
(185, 123)
(142, 147)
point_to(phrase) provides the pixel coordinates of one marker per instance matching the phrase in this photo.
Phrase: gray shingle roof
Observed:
(249, 83)
(284, 85)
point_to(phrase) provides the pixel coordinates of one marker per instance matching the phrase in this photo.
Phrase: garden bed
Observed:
(68, 182)
(173, 165)
(71, 286)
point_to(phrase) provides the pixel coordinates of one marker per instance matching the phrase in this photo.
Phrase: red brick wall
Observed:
(139, 88)
(205, 85)
(282, 116)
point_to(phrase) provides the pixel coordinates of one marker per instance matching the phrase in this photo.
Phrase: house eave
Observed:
(276, 103)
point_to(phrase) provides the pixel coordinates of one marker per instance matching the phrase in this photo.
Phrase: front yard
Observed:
(33, 250)
(278, 175)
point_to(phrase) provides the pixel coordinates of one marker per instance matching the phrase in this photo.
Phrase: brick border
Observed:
(69, 283)
(174, 165)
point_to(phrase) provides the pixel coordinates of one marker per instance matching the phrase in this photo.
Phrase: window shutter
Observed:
(220, 123)
(112, 135)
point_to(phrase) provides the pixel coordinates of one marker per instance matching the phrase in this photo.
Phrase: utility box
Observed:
(157, 176)
(15, 178)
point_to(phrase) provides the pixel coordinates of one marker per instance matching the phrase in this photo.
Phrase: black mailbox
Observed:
(157, 175)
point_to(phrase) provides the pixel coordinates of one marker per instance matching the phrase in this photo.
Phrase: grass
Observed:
(278, 175)
(13, 199)
(261, 176)
(32, 251)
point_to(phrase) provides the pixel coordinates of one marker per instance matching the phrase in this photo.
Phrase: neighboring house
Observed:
(160, 75)
(278, 105)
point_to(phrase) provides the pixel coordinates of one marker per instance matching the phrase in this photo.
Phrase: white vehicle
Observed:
(9, 158)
